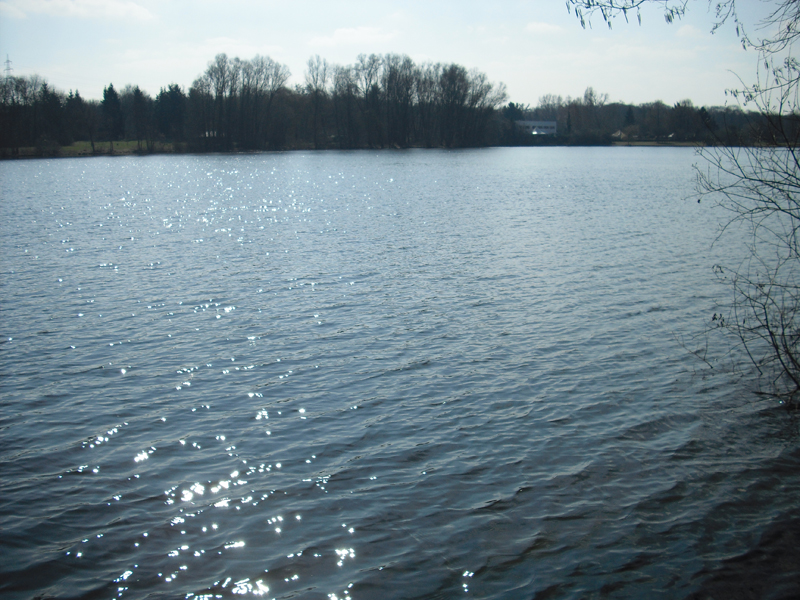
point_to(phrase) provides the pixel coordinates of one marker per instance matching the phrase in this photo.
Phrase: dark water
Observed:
(365, 375)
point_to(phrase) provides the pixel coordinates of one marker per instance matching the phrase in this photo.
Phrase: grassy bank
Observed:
(85, 149)
(654, 143)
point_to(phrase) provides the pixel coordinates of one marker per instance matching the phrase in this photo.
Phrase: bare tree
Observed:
(759, 185)
(482, 100)
(398, 89)
(201, 113)
(269, 78)
(454, 90)
(219, 75)
(345, 99)
(549, 107)
(368, 69)
(317, 76)
(609, 9)
(427, 92)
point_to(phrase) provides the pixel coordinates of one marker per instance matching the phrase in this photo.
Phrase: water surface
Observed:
(412, 374)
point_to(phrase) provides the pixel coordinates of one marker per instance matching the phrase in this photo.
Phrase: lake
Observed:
(395, 374)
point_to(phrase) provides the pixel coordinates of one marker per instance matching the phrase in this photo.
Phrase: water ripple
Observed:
(350, 375)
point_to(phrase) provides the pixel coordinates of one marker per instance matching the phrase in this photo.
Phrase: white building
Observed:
(537, 127)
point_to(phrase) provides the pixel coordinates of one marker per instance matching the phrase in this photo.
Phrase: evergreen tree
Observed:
(112, 115)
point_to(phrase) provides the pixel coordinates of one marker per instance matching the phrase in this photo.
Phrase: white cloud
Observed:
(354, 36)
(110, 9)
(542, 28)
(11, 11)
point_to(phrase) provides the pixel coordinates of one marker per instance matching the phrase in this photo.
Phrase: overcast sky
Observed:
(534, 47)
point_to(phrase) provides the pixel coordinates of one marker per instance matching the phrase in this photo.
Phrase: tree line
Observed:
(592, 119)
(379, 101)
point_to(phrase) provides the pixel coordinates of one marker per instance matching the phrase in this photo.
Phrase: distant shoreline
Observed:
(83, 150)
(654, 143)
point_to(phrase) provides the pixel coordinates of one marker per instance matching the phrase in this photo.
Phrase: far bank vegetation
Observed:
(380, 101)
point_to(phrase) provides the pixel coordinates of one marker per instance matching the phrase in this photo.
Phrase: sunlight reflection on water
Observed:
(371, 375)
